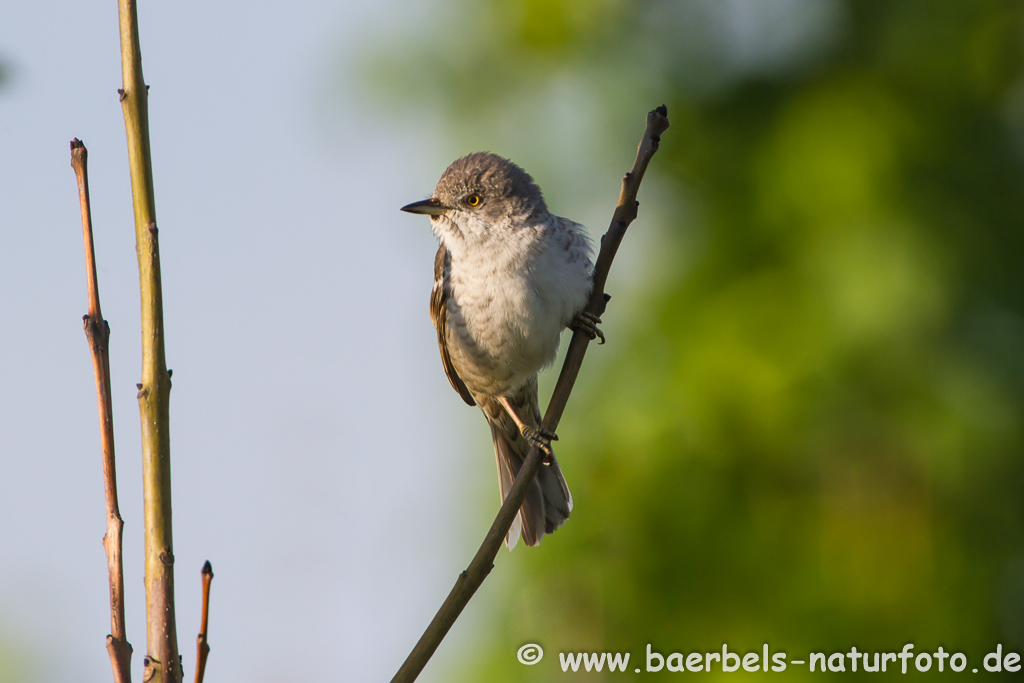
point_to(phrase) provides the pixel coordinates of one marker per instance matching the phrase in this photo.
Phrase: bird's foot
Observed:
(540, 438)
(587, 322)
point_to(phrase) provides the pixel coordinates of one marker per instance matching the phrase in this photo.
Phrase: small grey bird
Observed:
(508, 278)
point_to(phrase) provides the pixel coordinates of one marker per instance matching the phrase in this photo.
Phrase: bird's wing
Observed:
(439, 316)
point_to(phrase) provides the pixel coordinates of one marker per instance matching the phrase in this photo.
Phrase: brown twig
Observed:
(202, 647)
(483, 561)
(98, 333)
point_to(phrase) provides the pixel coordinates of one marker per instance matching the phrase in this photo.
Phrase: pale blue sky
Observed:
(311, 422)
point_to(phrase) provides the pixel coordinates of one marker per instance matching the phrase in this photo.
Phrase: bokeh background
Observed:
(806, 428)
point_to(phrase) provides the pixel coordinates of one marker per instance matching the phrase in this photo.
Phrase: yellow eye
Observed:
(473, 200)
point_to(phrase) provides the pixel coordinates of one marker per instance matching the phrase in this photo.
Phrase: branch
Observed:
(98, 333)
(161, 664)
(483, 561)
(202, 647)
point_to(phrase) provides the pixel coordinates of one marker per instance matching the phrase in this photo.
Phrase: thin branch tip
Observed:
(97, 333)
(659, 116)
(202, 644)
(78, 153)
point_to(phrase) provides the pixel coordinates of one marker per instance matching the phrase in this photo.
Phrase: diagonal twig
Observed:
(202, 646)
(483, 561)
(98, 333)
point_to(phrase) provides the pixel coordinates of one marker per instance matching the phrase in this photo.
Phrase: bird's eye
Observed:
(473, 200)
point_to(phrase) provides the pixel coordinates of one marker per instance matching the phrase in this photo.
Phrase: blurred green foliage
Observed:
(12, 662)
(814, 437)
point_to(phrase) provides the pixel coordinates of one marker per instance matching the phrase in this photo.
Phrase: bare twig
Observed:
(202, 647)
(483, 561)
(98, 333)
(161, 664)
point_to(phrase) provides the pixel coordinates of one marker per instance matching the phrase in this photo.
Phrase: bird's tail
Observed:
(548, 502)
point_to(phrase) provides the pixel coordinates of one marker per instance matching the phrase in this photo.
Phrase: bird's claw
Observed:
(541, 438)
(587, 322)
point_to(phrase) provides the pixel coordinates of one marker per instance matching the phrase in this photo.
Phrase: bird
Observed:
(509, 276)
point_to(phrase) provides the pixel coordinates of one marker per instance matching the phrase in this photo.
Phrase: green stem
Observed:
(154, 391)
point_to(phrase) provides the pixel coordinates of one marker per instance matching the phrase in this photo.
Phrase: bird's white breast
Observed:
(509, 306)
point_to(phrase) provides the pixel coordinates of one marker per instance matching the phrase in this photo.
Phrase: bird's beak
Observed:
(430, 207)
